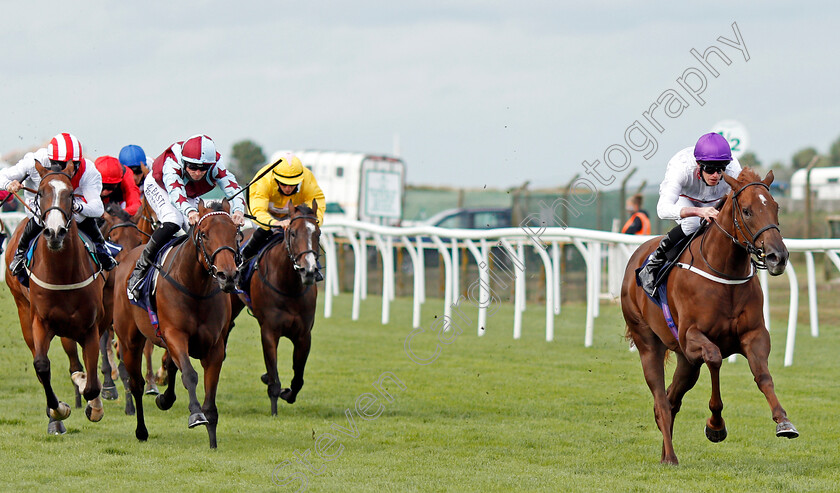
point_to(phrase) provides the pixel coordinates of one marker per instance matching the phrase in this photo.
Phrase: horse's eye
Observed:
(747, 212)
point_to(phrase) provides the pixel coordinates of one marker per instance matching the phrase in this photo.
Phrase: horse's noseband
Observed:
(294, 257)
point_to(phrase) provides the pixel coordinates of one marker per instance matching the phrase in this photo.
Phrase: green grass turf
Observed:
(489, 414)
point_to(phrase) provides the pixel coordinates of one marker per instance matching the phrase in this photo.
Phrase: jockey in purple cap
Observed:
(693, 184)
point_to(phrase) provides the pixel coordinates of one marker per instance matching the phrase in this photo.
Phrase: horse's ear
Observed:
(315, 205)
(70, 169)
(40, 168)
(226, 205)
(201, 206)
(768, 179)
(291, 208)
(732, 182)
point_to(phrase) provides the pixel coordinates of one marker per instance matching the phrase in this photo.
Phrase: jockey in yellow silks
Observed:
(288, 181)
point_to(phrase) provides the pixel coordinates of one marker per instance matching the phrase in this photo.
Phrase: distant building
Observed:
(825, 183)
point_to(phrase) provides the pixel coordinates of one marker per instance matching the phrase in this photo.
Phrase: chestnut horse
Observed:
(283, 297)
(193, 311)
(64, 297)
(716, 306)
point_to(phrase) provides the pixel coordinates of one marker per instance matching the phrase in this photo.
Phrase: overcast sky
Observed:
(480, 92)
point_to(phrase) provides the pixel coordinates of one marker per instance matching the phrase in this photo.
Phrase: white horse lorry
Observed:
(359, 186)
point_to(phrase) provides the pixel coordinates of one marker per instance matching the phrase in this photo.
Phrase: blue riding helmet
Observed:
(132, 156)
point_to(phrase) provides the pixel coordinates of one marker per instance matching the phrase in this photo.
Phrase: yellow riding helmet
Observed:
(288, 170)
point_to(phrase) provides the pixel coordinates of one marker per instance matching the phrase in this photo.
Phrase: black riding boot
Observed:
(89, 227)
(147, 257)
(647, 275)
(255, 244)
(30, 231)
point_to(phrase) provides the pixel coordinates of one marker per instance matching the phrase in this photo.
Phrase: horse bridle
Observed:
(43, 214)
(749, 243)
(288, 239)
(198, 239)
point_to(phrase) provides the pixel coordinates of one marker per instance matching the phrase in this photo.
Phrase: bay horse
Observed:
(119, 227)
(716, 307)
(283, 296)
(64, 298)
(194, 314)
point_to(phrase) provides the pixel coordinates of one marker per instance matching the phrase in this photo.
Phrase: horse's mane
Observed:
(119, 213)
(748, 175)
(305, 209)
(214, 205)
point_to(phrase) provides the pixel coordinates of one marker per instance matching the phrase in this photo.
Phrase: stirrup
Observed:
(18, 265)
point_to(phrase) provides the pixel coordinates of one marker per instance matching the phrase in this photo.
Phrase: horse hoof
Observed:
(264, 378)
(162, 404)
(288, 396)
(94, 415)
(80, 379)
(716, 435)
(786, 430)
(56, 428)
(151, 389)
(142, 435)
(197, 419)
(61, 413)
(110, 393)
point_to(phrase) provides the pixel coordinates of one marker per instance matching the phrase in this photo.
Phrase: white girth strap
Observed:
(63, 287)
(716, 278)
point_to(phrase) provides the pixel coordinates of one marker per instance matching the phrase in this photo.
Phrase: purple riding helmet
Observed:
(712, 147)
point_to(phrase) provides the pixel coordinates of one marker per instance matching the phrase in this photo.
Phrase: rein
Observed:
(126, 225)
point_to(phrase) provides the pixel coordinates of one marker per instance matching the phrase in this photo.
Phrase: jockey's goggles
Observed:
(63, 164)
(137, 170)
(198, 166)
(110, 186)
(712, 168)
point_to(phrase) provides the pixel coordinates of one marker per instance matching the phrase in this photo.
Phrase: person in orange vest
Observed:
(639, 222)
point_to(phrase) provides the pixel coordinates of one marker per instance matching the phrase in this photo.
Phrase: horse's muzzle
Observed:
(307, 276)
(227, 280)
(776, 262)
(55, 237)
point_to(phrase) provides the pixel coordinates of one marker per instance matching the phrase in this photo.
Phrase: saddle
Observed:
(146, 300)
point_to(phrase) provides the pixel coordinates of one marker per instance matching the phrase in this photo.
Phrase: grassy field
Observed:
(489, 414)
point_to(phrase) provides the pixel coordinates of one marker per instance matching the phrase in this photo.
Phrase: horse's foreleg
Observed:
(131, 358)
(77, 371)
(179, 352)
(299, 356)
(685, 377)
(698, 347)
(653, 366)
(272, 378)
(165, 400)
(212, 367)
(756, 347)
(41, 338)
(109, 389)
(90, 351)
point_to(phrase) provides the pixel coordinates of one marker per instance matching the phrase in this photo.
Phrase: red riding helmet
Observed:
(65, 147)
(199, 150)
(110, 169)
